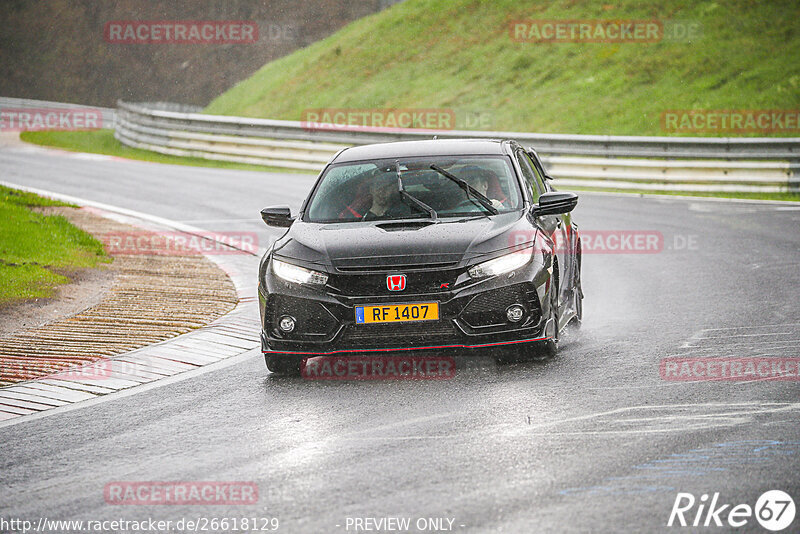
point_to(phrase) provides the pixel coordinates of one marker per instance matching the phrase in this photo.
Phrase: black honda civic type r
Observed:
(422, 245)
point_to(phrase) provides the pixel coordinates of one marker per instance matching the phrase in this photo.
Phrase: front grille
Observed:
(398, 335)
(489, 309)
(374, 285)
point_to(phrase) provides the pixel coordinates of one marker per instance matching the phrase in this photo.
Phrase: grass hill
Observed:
(460, 55)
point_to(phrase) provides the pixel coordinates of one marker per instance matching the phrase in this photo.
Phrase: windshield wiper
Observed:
(485, 202)
(408, 196)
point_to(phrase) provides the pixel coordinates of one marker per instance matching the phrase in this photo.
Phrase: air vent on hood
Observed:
(417, 262)
(396, 267)
(399, 226)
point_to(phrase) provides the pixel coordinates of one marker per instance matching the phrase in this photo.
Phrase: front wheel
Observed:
(283, 365)
(577, 293)
(539, 350)
(549, 347)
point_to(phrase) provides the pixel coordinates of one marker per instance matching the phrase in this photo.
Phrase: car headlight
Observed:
(298, 275)
(503, 264)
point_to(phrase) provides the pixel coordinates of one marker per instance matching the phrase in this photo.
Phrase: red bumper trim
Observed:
(434, 347)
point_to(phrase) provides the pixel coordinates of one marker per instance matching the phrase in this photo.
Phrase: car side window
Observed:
(530, 177)
(540, 181)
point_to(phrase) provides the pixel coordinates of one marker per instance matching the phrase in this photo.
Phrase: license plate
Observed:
(397, 313)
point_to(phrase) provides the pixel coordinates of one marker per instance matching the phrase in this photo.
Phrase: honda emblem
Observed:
(396, 282)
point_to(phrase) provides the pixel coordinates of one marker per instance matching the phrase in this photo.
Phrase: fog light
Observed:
(515, 313)
(286, 323)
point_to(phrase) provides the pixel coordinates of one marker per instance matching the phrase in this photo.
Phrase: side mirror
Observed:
(555, 203)
(280, 216)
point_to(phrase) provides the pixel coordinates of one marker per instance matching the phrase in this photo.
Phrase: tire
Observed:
(283, 365)
(575, 323)
(549, 348)
(541, 350)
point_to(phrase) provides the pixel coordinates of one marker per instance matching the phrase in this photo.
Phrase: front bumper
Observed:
(472, 315)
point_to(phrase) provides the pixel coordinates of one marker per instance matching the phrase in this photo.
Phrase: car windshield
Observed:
(365, 191)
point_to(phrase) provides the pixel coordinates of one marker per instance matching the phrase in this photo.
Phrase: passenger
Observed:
(479, 179)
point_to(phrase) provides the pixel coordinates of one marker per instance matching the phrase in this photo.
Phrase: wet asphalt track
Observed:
(593, 440)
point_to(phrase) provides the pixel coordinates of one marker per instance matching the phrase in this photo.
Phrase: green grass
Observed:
(39, 252)
(788, 197)
(103, 142)
(458, 54)
(25, 199)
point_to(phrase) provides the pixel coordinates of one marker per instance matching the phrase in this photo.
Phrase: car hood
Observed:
(446, 243)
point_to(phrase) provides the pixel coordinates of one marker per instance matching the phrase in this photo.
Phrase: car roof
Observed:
(430, 147)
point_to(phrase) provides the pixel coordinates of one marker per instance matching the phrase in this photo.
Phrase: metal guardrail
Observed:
(714, 164)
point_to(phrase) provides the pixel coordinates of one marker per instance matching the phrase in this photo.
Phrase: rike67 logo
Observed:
(774, 511)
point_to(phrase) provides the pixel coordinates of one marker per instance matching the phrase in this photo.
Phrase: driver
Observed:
(383, 191)
(478, 178)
